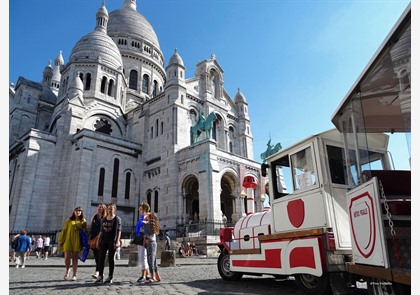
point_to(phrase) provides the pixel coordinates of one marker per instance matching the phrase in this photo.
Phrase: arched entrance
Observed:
(228, 185)
(191, 200)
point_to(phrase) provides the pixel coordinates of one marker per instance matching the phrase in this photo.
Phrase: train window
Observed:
(336, 164)
(303, 169)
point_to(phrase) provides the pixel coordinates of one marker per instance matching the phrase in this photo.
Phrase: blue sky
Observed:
(293, 60)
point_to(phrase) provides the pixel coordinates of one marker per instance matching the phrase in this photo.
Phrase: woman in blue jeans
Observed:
(151, 229)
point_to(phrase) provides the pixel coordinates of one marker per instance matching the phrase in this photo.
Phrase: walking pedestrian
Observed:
(39, 246)
(151, 229)
(94, 229)
(13, 244)
(69, 240)
(47, 246)
(109, 240)
(22, 247)
(33, 240)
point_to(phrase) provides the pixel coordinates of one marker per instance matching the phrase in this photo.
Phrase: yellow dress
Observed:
(70, 235)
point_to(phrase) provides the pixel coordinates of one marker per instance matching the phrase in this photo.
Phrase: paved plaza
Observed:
(193, 275)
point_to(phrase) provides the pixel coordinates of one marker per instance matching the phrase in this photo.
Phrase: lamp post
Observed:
(249, 183)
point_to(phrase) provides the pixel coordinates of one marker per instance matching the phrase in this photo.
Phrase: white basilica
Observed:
(113, 124)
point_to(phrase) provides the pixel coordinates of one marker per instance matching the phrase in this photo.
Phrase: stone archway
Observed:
(229, 186)
(191, 201)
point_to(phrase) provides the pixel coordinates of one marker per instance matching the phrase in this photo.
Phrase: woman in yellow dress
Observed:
(69, 240)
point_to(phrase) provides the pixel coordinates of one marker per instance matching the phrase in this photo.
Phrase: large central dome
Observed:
(127, 21)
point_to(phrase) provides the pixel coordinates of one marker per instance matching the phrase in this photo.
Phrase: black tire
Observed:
(313, 285)
(381, 287)
(223, 266)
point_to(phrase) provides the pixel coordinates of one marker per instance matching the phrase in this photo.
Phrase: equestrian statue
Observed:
(271, 150)
(203, 125)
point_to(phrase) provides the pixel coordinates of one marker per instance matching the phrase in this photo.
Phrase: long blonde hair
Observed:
(155, 223)
(104, 208)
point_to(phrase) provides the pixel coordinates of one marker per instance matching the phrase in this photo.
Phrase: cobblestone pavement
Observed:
(189, 276)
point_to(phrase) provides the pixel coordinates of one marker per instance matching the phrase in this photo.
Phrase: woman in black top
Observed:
(109, 240)
(94, 229)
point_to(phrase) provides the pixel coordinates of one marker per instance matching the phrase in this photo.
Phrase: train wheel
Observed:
(381, 287)
(223, 266)
(313, 285)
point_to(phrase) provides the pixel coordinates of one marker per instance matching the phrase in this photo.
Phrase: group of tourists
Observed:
(21, 250)
(104, 236)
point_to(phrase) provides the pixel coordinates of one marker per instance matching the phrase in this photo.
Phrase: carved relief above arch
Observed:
(104, 124)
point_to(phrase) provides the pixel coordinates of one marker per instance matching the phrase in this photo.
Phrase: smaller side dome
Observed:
(239, 97)
(48, 68)
(47, 74)
(76, 85)
(176, 59)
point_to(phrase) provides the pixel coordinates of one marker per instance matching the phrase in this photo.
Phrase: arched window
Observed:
(213, 131)
(145, 84)
(230, 147)
(81, 76)
(156, 204)
(115, 173)
(103, 126)
(133, 80)
(127, 185)
(103, 84)
(110, 87)
(101, 182)
(88, 81)
(149, 197)
(155, 86)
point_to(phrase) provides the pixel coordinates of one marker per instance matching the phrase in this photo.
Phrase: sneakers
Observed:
(108, 280)
(17, 265)
(66, 275)
(22, 266)
(74, 278)
(95, 275)
(99, 280)
(141, 280)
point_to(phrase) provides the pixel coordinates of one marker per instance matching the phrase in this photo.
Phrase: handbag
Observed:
(138, 240)
(93, 242)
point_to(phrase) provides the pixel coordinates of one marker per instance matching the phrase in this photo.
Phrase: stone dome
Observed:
(176, 59)
(239, 97)
(126, 21)
(97, 46)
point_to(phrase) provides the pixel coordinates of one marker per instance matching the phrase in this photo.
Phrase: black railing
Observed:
(200, 228)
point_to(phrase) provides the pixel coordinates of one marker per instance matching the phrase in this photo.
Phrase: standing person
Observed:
(151, 229)
(39, 246)
(144, 209)
(109, 240)
(33, 240)
(69, 240)
(94, 229)
(13, 245)
(47, 246)
(22, 247)
(168, 241)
